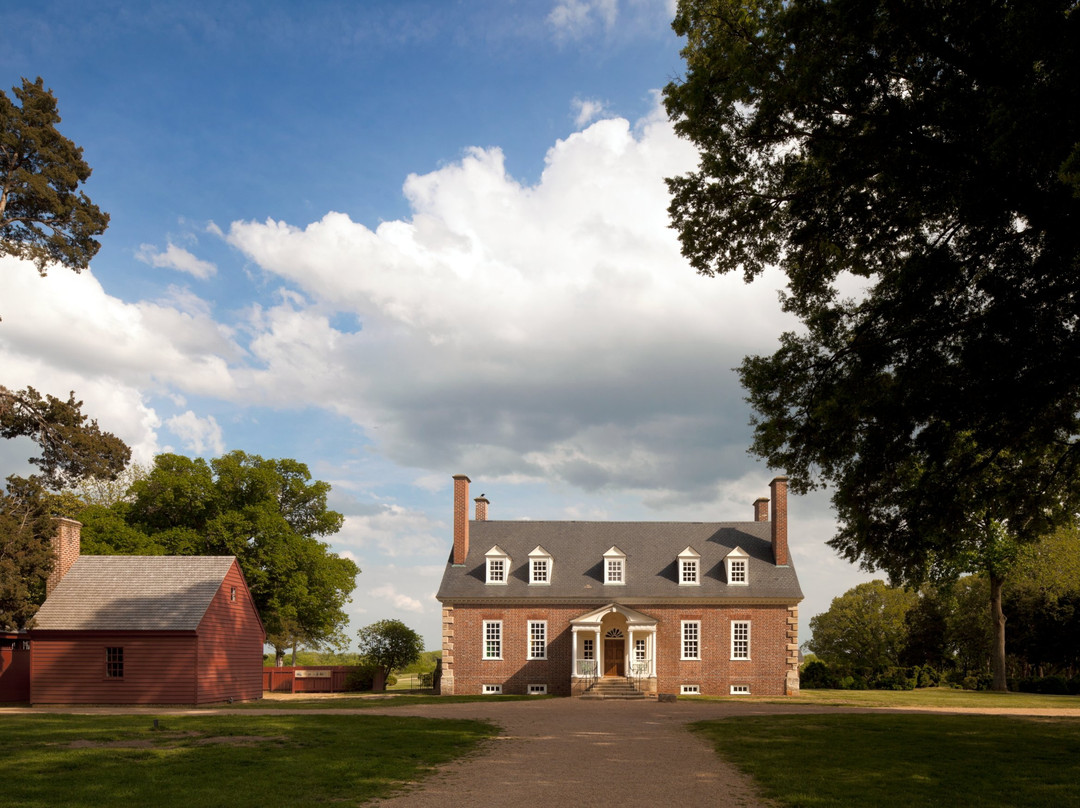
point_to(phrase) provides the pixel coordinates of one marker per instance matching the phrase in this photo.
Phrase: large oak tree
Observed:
(269, 513)
(924, 156)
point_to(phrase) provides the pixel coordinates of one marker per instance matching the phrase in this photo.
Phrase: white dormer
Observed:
(614, 566)
(689, 567)
(540, 564)
(737, 563)
(498, 565)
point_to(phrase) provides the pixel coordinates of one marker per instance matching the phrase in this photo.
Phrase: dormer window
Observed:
(540, 562)
(614, 566)
(498, 565)
(689, 567)
(737, 563)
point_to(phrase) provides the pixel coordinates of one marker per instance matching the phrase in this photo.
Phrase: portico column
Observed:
(573, 653)
(596, 653)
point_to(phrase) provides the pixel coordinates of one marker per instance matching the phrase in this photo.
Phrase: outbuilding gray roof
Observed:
(651, 569)
(134, 593)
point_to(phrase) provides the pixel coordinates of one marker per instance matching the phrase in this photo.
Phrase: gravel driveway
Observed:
(572, 752)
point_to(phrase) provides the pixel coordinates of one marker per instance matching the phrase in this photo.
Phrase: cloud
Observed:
(397, 600)
(392, 531)
(575, 18)
(546, 332)
(200, 435)
(176, 258)
(587, 111)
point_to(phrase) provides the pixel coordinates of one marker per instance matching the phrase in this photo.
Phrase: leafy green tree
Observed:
(71, 445)
(391, 645)
(914, 170)
(44, 217)
(26, 557)
(268, 513)
(864, 630)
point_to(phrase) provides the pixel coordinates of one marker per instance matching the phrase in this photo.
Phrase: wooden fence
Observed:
(306, 679)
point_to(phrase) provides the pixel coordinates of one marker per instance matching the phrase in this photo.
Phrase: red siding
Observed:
(14, 668)
(230, 645)
(69, 668)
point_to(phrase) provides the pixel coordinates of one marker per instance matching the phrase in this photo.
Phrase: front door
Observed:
(614, 653)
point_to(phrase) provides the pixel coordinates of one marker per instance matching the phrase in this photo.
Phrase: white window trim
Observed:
(735, 623)
(588, 649)
(740, 690)
(540, 555)
(529, 635)
(493, 556)
(537, 690)
(682, 637)
(689, 559)
(484, 639)
(690, 690)
(491, 690)
(730, 560)
(617, 557)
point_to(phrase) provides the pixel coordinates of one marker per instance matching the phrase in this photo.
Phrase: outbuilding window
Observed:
(114, 663)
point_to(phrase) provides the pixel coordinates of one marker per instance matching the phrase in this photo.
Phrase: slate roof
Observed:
(134, 593)
(651, 570)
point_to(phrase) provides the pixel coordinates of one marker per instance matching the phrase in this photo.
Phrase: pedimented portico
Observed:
(613, 641)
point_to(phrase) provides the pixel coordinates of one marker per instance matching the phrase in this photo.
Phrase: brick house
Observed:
(143, 630)
(667, 607)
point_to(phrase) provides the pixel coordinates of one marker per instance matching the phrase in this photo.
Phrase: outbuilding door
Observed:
(614, 657)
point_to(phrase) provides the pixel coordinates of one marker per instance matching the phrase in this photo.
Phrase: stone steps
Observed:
(612, 688)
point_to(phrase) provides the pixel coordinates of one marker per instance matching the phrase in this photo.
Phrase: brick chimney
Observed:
(481, 508)
(461, 518)
(761, 509)
(779, 520)
(66, 544)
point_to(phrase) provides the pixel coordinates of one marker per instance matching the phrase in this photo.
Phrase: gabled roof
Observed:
(651, 568)
(134, 593)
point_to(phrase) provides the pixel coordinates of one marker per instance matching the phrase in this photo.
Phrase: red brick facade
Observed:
(773, 649)
(709, 608)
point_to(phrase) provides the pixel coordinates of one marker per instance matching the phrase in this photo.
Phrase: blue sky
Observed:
(398, 241)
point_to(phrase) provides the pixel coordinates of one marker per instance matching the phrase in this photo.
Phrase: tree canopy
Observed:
(71, 445)
(865, 628)
(268, 513)
(390, 644)
(44, 217)
(914, 170)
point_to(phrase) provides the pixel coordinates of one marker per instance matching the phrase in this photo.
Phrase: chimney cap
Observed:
(464, 477)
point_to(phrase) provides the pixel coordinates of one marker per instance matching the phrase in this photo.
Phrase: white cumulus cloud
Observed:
(199, 435)
(176, 258)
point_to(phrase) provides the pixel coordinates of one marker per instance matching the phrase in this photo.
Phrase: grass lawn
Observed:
(905, 760)
(53, 760)
(931, 697)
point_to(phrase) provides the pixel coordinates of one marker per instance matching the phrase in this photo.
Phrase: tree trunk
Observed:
(279, 657)
(997, 657)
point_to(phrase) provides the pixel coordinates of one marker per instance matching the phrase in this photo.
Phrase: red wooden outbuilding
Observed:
(146, 630)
